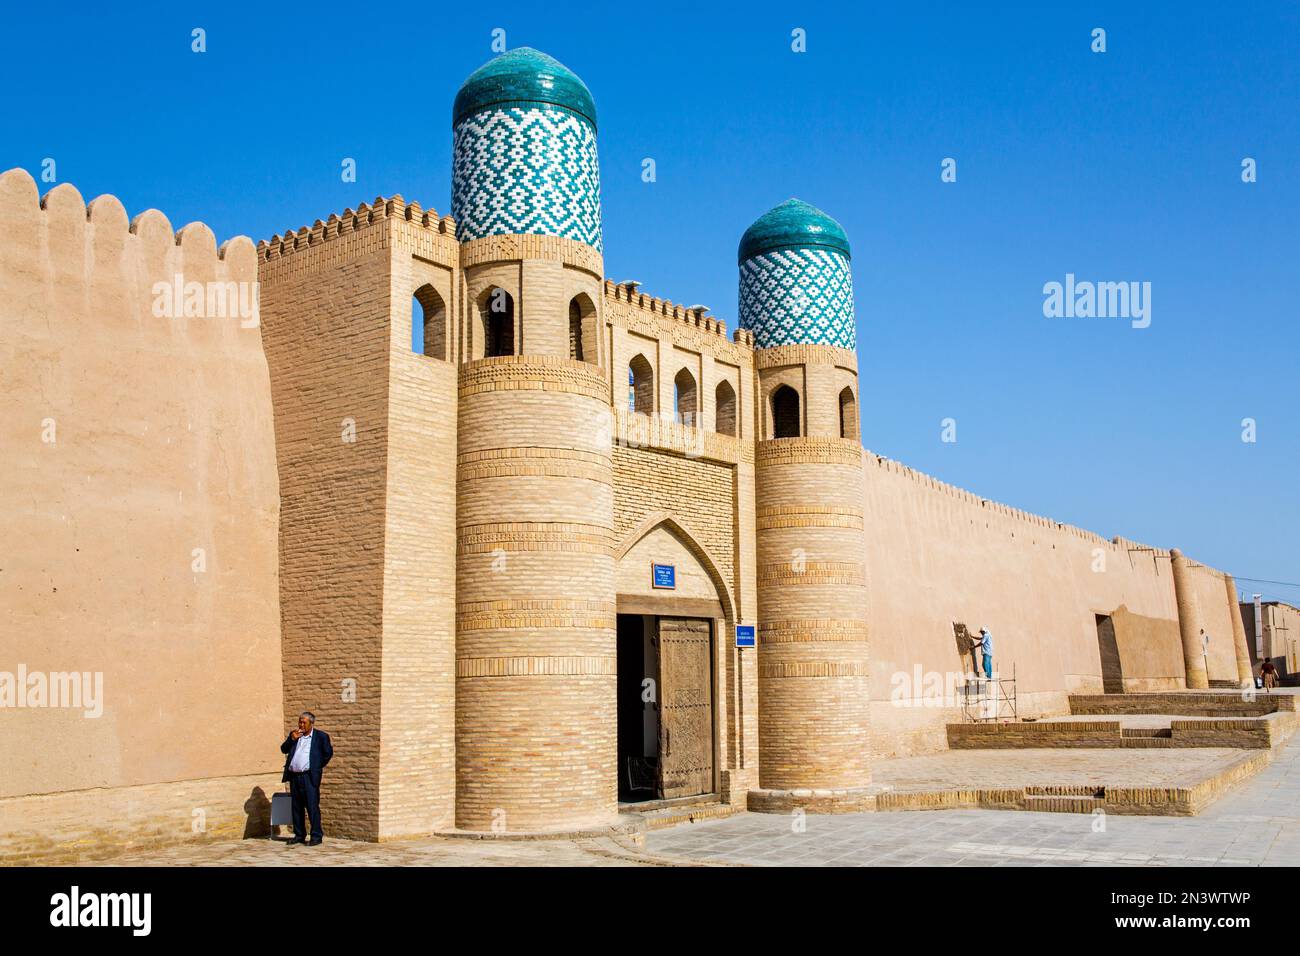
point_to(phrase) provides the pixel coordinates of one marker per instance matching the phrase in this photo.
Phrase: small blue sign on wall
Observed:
(663, 575)
(746, 635)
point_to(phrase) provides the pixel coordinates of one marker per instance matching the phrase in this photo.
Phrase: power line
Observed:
(1285, 584)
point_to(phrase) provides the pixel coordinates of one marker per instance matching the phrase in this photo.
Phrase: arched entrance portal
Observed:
(673, 609)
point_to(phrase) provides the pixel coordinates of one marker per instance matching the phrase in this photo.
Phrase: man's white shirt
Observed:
(302, 755)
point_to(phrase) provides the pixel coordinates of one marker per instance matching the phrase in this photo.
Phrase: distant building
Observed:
(1276, 636)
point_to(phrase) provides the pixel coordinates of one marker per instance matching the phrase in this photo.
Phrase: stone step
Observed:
(1146, 732)
(1066, 790)
(1145, 742)
(645, 806)
(1205, 703)
(1045, 803)
(693, 813)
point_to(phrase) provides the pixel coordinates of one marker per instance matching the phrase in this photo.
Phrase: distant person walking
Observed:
(307, 752)
(1268, 671)
(986, 651)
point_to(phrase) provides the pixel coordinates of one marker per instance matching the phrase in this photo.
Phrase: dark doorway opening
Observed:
(638, 713)
(665, 707)
(1112, 673)
(785, 413)
(498, 323)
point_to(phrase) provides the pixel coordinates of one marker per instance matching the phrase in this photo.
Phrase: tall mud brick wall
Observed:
(140, 502)
(938, 554)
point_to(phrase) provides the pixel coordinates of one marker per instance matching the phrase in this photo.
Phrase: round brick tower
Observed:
(796, 296)
(1191, 626)
(536, 745)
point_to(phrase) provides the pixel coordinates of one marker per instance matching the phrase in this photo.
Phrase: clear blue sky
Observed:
(1117, 166)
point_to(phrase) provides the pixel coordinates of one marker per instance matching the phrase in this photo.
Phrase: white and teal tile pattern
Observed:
(798, 296)
(526, 169)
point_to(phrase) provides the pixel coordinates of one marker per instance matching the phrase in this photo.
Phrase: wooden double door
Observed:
(685, 707)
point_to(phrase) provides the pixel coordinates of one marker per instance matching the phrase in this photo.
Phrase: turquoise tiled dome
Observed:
(796, 283)
(524, 156)
(523, 76)
(793, 225)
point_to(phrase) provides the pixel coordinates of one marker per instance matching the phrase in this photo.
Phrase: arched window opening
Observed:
(428, 323)
(582, 329)
(685, 399)
(498, 311)
(848, 414)
(641, 386)
(785, 413)
(724, 413)
(575, 332)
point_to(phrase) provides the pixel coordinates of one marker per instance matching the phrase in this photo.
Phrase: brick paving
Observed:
(1255, 823)
(430, 851)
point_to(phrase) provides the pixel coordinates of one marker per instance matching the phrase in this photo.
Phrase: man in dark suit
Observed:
(307, 752)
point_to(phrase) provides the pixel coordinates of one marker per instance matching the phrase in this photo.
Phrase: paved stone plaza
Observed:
(1256, 823)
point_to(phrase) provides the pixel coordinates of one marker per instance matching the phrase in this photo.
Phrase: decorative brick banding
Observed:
(570, 252)
(813, 669)
(521, 536)
(809, 516)
(534, 666)
(497, 615)
(851, 573)
(512, 373)
(806, 451)
(802, 354)
(533, 461)
(813, 629)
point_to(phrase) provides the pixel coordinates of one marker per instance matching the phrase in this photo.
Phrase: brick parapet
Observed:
(874, 462)
(342, 229)
(513, 373)
(688, 328)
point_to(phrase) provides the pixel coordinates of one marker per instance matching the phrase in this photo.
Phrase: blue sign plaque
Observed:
(746, 635)
(663, 575)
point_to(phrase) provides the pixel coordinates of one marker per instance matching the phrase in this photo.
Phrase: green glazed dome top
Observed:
(520, 76)
(792, 225)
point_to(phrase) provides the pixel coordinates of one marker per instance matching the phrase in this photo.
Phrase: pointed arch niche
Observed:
(701, 589)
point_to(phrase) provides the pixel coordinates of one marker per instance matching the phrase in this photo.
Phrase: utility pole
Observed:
(1259, 628)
